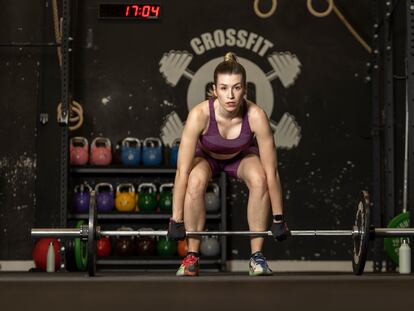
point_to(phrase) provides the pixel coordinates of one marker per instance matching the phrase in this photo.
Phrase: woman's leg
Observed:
(251, 171)
(194, 210)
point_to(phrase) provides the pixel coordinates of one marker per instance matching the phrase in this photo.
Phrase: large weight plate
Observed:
(70, 262)
(92, 236)
(361, 239)
(393, 244)
(81, 250)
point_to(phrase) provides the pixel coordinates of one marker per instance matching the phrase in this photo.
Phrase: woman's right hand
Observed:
(176, 230)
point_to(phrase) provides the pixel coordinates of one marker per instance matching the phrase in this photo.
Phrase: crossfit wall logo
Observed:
(285, 66)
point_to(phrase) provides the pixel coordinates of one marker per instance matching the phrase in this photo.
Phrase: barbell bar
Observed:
(361, 233)
(76, 233)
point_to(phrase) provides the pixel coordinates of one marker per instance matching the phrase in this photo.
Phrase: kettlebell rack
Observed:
(141, 219)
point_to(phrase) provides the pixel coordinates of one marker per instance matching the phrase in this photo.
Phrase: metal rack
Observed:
(219, 218)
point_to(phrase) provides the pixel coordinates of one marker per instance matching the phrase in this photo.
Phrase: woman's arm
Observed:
(194, 126)
(259, 123)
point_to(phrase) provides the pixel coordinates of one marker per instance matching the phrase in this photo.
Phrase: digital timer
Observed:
(132, 11)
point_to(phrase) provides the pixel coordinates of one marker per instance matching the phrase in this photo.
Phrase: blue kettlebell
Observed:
(174, 152)
(104, 197)
(151, 151)
(81, 198)
(131, 151)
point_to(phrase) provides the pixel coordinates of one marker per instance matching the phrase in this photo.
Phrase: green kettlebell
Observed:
(166, 247)
(147, 197)
(166, 197)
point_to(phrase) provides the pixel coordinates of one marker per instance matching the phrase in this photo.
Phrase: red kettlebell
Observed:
(39, 253)
(101, 151)
(103, 247)
(182, 248)
(78, 151)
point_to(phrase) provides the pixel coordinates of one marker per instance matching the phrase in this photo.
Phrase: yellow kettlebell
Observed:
(125, 200)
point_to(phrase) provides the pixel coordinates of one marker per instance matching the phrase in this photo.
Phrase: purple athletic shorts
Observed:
(229, 166)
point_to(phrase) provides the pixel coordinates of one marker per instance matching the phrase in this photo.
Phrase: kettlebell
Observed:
(81, 198)
(166, 197)
(125, 200)
(174, 152)
(212, 198)
(210, 246)
(101, 151)
(166, 246)
(182, 248)
(131, 151)
(147, 197)
(79, 151)
(151, 151)
(124, 245)
(146, 245)
(104, 197)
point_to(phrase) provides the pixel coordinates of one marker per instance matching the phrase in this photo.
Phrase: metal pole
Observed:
(76, 232)
(56, 233)
(394, 232)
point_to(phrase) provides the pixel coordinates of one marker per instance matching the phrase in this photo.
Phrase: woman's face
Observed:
(230, 91)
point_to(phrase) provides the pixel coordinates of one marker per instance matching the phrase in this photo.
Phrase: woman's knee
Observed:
(197, 184)
(257, 182)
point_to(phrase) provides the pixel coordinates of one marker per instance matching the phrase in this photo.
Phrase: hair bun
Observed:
(230, 57)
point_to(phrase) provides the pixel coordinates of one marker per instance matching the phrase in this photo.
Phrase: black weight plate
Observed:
(70, 262)
(361, 240)
(92, 236)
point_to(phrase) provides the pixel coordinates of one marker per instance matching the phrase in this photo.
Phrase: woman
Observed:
(219, 135)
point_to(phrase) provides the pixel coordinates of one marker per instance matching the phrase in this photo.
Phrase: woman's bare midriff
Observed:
(219, 156)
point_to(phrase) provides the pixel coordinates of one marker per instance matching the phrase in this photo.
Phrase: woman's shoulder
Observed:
(200, 111)
(254, 110)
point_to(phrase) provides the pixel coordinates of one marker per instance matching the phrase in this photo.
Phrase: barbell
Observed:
(286, 67)
(361, 233)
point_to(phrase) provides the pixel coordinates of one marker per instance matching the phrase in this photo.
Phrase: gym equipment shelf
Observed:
(115, 172)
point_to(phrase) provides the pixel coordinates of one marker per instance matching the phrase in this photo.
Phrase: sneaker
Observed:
(189, 266)
(258, 265)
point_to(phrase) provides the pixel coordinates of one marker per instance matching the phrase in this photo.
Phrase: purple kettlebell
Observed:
(104, 197)
(81, 198)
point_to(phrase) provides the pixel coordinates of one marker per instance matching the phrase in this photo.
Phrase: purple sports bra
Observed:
(212, 140)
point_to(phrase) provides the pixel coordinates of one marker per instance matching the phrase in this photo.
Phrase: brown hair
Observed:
(230, 65)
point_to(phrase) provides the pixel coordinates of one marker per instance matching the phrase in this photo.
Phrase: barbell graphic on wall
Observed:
(286, 67)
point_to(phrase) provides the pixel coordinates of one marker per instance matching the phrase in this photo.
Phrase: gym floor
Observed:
(210, 291)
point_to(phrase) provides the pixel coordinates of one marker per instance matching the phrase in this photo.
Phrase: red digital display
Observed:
(130, 11)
